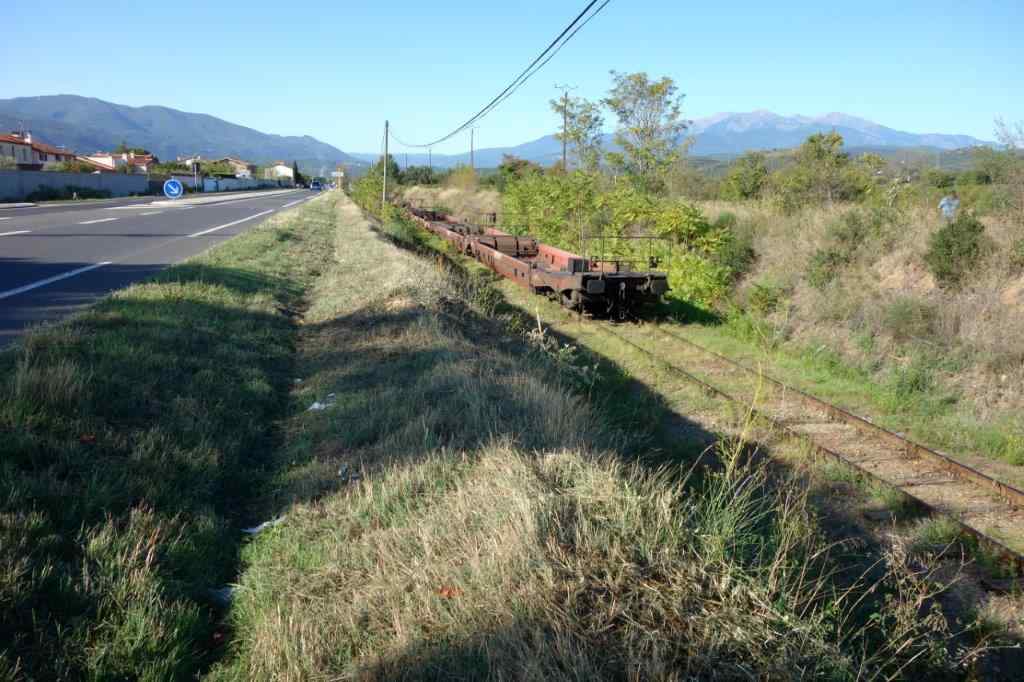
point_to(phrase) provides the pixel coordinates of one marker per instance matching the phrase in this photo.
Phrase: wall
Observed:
(16, 185)
(229, 184)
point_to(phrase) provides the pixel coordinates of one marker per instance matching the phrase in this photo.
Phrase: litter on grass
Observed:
(263, 526)
(327, 402)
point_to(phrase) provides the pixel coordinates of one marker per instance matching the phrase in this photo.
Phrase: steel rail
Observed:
(1013, 496)
(1006, 553)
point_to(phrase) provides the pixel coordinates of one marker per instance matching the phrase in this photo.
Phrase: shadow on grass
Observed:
(132, 439)
(659, 436)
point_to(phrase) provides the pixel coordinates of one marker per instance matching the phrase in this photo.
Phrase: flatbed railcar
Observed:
(605, 288)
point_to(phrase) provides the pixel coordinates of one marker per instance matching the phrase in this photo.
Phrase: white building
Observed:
(279, 170)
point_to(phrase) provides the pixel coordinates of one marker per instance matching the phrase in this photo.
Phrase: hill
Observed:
(727, 135)
(86, 124)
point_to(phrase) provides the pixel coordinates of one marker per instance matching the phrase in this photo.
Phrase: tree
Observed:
(582, 122)
(822, 156)
(298, 177)
(419, 175)
(747, 177)
(74, 166)
(823, 173)
(1012, 137)
(513, 168)
(650, 126)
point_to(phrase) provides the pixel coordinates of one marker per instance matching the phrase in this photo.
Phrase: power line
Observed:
(538, 63)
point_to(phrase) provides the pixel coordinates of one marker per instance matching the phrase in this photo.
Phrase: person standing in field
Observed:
(949, 205)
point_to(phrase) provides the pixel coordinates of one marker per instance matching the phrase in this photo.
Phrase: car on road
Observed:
(315, 186)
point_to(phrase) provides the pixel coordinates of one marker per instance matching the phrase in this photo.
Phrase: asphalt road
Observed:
(57, 258)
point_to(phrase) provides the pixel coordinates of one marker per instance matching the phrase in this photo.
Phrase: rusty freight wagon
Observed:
(597, 287)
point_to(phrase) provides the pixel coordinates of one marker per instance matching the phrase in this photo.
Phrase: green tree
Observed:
(747, 177)
(582, 123)
(74, 166)
(297, 176)
(419, 175)
(650, 127)
(1012, 138)
(823, 173)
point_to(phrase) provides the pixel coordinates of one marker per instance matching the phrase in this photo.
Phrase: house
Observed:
(240, 168)
(243, 169)
(14, 147)
(131, 162)
(278, 170)
(30, 154)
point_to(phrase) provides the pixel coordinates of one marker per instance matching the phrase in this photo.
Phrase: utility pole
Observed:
(430, 159)
(384, 192)
(407, 161)
(471, 162)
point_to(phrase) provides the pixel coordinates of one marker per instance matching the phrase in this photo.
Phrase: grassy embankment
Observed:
(132, 440)
(499, 527)
(880, 337)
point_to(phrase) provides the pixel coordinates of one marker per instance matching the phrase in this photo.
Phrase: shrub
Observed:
(462, 177)
(1017, 255)
(764, 298)
(824, 266)
(747, 177)
(911, 381)
(736, 252)
(937, 177)
(906, 319)
(955, 249)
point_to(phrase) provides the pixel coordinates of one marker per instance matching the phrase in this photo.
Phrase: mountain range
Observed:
(86, 125)
(726, 135)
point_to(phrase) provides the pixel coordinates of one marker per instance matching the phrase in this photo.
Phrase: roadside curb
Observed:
(20, 205)
(217, 200)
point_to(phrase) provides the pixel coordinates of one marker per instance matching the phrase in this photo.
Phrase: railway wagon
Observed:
(597, 287)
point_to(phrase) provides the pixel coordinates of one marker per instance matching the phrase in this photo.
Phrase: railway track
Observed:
(988, 510)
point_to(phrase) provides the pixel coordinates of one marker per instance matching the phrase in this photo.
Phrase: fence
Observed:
(18, 185)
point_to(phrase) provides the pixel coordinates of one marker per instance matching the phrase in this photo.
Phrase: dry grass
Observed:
(982, 323)
(463, 203)
(494, 532)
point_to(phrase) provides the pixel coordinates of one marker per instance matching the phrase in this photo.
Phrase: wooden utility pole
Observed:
(384, 192)
(472, 164)
(407, 161)
(430, 159)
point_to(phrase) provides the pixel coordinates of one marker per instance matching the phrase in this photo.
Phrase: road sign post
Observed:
(173, 189)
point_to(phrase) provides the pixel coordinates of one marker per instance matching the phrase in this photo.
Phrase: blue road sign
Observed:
(173, 189)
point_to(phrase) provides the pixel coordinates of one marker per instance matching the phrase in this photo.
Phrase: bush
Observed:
(1017, 256)
(764, 298)
(955, 249)
(906, 319)
(736, 252)
(936, 177)
(824, 266)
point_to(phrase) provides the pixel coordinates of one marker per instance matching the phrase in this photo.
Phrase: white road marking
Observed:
(8, 218)
(11, 234)
(51, 280)
(221, 227)
(292, 203)
(151, 213)
(99, 220)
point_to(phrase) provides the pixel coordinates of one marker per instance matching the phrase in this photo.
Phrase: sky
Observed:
(337, 70)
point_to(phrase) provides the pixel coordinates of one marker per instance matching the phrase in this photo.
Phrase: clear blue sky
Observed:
(336, 70)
